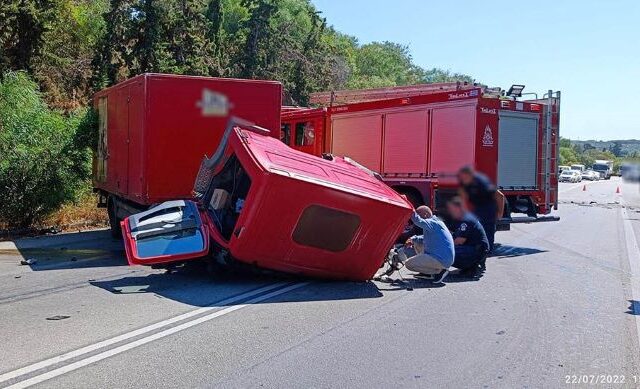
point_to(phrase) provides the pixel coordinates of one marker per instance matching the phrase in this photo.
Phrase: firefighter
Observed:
(433, 249)
(487, 203)
(471, 243)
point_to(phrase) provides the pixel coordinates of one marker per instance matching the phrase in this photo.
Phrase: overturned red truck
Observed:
(263, 204)
(417, 137)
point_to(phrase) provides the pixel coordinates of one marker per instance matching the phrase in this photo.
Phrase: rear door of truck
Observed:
(518, 140)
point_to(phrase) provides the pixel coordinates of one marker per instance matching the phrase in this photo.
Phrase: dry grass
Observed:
(83, 213)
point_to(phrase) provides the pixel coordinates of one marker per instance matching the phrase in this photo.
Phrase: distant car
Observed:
(590, 175)
(570, 176)
(630, 172)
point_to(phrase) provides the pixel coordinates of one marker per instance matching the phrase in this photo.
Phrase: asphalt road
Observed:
(557, 305)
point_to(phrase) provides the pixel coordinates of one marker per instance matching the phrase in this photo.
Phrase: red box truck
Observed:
(265, 205)
(418, 137)
(154, 130)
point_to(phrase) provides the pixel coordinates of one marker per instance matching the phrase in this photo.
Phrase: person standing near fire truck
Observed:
(486, 200)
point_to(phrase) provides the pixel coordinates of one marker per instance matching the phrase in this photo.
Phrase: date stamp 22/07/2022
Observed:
(600, 379)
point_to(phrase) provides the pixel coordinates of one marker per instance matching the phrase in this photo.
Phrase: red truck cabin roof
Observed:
(300, 207)
(155, 128)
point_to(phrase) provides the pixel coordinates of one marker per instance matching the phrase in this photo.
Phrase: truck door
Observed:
(135, 122)
(118, 157)
(103, 145)
(518, 150)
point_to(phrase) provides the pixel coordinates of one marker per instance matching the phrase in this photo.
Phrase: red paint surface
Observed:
(157, 134)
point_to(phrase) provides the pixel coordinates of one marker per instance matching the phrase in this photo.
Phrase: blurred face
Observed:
(455, 211)
(424, 212)
(465, 178)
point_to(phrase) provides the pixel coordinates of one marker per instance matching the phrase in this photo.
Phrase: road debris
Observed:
(58, 317)
(28, 261)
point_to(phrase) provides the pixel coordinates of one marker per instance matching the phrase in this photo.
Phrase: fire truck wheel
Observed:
(114, 222)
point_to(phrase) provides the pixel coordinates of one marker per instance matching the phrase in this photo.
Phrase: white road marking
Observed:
(633, 256)
(87, 349)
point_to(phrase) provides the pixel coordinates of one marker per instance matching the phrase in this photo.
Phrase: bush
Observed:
(45, 160)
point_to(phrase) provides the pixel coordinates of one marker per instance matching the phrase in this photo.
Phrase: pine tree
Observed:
(256, 56)
(190, 45)
(214, 15)
(112, 57)
(23, 24)
(147, 37)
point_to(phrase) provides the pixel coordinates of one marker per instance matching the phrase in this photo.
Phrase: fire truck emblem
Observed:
(487, 138)
(213, 103)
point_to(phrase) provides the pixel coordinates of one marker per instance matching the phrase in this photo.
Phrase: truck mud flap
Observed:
(504, 224)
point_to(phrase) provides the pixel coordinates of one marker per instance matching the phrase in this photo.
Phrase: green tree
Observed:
(63, 67)
(565, 142)
(568, 156)
(112, 56)
(215, 17)
(257, 52)
(43, 160)
(24, 23)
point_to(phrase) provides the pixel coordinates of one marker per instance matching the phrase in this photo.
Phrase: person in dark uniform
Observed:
(487, 203)
(470, 241)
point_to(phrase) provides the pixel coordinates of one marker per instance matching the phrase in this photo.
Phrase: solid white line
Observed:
(125, 347)
(93, 347)
(633, 256)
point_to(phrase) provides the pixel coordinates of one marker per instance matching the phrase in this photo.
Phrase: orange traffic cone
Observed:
(617, 190)
(584, 188)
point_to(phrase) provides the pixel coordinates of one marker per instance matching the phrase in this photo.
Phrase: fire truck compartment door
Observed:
(517, 150)
(168, 232)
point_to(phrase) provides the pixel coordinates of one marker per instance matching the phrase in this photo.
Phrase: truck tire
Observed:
(114, 222)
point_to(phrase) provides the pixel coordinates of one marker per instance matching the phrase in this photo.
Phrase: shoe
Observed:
(472, 272)
(439, 278)
(396, 262)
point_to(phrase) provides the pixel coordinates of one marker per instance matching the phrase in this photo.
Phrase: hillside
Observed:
(621, 148)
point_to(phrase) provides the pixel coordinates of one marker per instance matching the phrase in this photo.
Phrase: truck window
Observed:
(325, 228)
(285, 133)
(305, 134)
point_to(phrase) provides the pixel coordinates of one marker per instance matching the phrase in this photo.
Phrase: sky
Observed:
(588, 50)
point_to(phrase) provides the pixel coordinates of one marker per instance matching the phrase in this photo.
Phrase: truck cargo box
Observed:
(154, 130)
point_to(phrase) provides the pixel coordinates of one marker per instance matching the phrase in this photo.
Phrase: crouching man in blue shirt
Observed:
(434, 249)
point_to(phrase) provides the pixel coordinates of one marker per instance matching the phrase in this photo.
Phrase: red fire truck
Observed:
(417, 137)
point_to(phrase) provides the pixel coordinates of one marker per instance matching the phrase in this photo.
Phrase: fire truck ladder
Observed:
(327, 99)
(550, 161)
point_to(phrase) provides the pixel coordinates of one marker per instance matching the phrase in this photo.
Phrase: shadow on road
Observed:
(506, 251)
(200, 289)
(68, 251)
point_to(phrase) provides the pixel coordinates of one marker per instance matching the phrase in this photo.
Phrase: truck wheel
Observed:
(114, 222)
